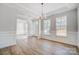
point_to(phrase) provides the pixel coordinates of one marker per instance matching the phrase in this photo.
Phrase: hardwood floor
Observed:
(8, 50)
(35, 46)
(41, 46)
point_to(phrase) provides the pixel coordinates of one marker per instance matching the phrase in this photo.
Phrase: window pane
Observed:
(26, 28)
(46, 27)
(34, 27)
(61, 24)
(20, 27)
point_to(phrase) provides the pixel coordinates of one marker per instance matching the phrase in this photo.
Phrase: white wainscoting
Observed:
(7, 39)
(70, 39)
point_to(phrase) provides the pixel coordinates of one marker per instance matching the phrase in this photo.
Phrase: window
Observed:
(22, 27)
(46, 27)
(34, 27)
(26, 28)
(61, 26)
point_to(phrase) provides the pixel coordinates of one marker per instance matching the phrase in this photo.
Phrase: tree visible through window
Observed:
(61, 26)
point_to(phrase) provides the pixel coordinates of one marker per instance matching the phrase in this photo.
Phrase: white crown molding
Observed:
(63, 9)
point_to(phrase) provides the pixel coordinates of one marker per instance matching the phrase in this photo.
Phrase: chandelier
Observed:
(43, 15)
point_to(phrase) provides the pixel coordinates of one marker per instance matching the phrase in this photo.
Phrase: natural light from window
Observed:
(46, 27)
(61, 26)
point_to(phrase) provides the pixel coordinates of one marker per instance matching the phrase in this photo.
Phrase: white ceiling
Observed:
(48, 7)
(35, 8)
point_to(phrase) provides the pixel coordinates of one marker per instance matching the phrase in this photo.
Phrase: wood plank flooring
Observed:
(35, 46)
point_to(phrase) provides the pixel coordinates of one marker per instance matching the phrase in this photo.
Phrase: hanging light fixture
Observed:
(43, 16)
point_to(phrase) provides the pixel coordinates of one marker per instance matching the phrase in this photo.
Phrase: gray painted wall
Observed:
(7, 26)
(78, 27)
(71, 27)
